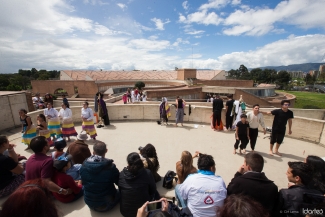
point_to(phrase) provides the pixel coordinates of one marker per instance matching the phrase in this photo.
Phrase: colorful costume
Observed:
(30, 134)
(88, 125)
(67, 123)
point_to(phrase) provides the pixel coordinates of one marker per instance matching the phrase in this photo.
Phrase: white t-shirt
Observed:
(204, 194)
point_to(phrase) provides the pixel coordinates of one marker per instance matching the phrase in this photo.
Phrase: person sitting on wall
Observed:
(48, 99)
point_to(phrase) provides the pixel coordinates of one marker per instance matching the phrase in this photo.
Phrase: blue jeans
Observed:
(111, 202)
(181, 202)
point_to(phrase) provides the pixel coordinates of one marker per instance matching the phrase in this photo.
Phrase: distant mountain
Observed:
(305, 67)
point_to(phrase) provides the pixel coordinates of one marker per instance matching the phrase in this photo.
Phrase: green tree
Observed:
(282, 79)
(233, 74)
(255, 74)
(139, 85)
(243, 73)
(322, 77)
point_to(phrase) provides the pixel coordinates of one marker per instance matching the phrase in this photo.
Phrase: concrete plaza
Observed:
(123, 138)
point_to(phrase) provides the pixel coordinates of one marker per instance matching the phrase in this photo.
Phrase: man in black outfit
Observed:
(281, 117)
(217, 109)
(229, 116)
(249, 180)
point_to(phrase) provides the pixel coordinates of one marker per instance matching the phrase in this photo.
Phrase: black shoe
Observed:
(99, 126)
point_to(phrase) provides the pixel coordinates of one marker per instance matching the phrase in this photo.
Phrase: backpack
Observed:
(168, 179)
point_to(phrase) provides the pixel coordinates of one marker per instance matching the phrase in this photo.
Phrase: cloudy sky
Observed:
(159, 34)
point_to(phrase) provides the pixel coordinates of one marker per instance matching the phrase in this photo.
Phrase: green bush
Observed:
(139, 85)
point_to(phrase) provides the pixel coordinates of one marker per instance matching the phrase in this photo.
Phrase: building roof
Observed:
(92, 75)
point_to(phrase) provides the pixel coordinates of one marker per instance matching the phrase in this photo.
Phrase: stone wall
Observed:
(157, 94)
(226, 83)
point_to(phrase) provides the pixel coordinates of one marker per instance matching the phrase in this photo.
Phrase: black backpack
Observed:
(168, 179)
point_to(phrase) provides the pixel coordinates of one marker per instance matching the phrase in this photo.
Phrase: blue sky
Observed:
(159, 34)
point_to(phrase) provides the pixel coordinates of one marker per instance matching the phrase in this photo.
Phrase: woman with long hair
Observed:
(136, 185)
(28, 129)
(184, 167)
(317, 166)
(31, 199)
(87, 116)
(42, 128)
(67, 123)
(52, 116)
(11, 172)
(149, 157)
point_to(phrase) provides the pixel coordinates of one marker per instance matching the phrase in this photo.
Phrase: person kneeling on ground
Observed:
(62, 164)
(136, 185)
(98, 176)
(200, 189)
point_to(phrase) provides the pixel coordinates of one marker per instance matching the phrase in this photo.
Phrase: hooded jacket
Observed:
(135, 190)
(98, 178)
(257, 186)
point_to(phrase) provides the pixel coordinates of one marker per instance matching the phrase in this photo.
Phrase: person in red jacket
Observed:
(62, 164)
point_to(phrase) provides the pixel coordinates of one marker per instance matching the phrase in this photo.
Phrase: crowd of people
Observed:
(68, 176)
(134, 95)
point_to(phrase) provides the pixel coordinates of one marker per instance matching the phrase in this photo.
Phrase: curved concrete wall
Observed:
(303, 128)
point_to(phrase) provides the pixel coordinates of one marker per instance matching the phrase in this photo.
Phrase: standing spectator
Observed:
(229, 114)
(128, 94)
(255, 118)
(98, 175)
(125, 98)
(11, 172)
(133, 95)
(164, 110)
(31, 199)
(136, 185)
(87, 116)
(52, 116)
(39, 165)
(242, 135)
(180, 104)
(291, 200)
(60, 177)
(67, 123)
(42, 128)
(317, 166)
(48, 99)
(102, 108)
(217, 106)
(281, 117)
(28, 130)
(200, 189)
(149, 157)
(251, 181)
(79, 149)
(65, 101)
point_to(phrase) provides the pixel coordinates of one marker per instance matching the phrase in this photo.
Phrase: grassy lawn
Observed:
(308, 100)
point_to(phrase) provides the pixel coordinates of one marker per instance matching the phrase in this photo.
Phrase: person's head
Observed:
(31, 199)
(177, 97)
(82, 135)
(64, 106)
(85, 104)
(285, 104)
(256, 108)
(49, 105)
(60, 144)
(63, 95)
(100, 149)
(238, 205)
(4, 142)
(37, 94)
(243, 117)
(299, 173)
(253, 162)
(134, 163)
(22, 112)
(206, 162)
(62, 163)
(101, 95)
(229, 96)
(47, 96)
(186, 159)
(149, 151)
(41, 117)
(39, 144)
(317, 166)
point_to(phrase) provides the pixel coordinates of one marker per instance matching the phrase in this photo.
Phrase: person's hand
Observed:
(164, 205)
(11, 146)
(142, 210)
(264, 130)
(290, 132)
(196, 154)
(241, 169)
(237, 138)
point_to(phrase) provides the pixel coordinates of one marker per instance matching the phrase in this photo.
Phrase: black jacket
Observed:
(291, 201)
(217, 105)
(135, 191)
(257, 186)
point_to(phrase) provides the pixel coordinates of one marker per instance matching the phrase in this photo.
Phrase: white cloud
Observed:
(122, 6)
(201, 17)
(236, 2)
(214, 4)
(185, 5)
(180, 41)
(159, 23)
(195, 56)
(195, 32)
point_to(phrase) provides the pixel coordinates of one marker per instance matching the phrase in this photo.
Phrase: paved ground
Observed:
(123, 138)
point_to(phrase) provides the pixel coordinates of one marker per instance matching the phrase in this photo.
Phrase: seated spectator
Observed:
(37, 101)
(242, 206)
(39, 165)
(10, 170)
(48, 99)
(251, 181)
(317, 166)
(204, 191)
(150, 160)
(184, 167)
(59, 146)
(291, 200)
(79, 149)
(31, 199)
(136, 185)
(163, 212)
(62, 165)
(98, 175)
